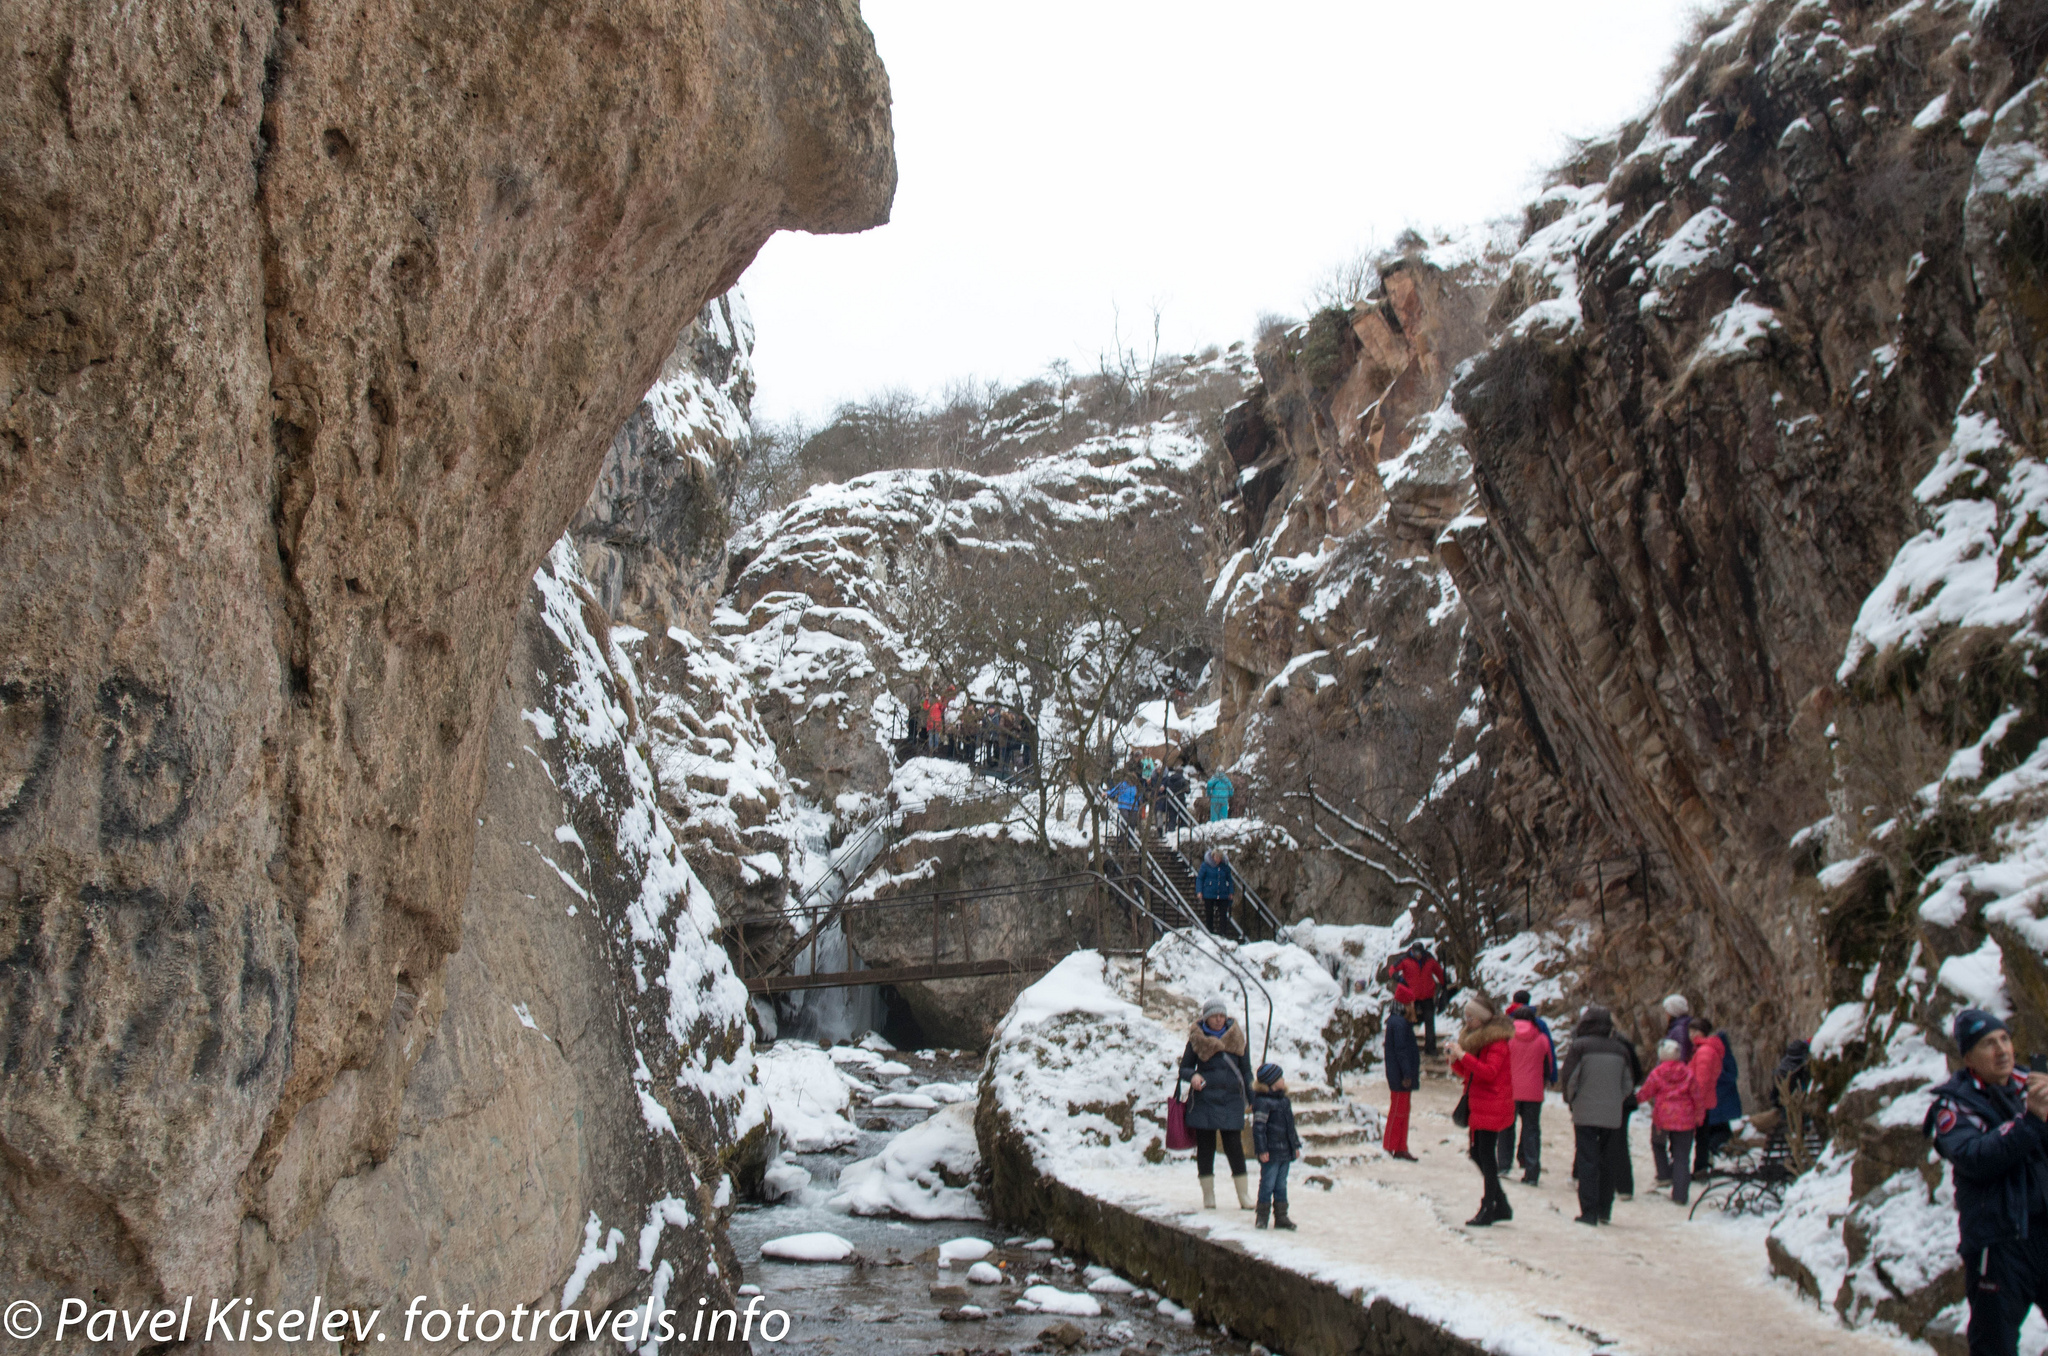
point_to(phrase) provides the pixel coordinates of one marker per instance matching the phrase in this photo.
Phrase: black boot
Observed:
(1259, 1220)
(1485, 1215)
(1280, 1220)
(1502, 1211)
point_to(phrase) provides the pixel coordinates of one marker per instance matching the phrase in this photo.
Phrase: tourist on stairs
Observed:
(1990, 1121)
(1275, 1140)
(1217, 888)
(1674, 1109)
(1217, 1069)
(1530, 1063)
(1220, 791)
(1490, 1098)
(1598, 1077)
(1404, 1073)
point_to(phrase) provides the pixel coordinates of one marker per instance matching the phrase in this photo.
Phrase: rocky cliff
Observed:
(1748, 571)
(318, 322)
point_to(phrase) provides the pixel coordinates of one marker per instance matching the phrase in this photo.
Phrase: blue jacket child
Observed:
(1276, 1141)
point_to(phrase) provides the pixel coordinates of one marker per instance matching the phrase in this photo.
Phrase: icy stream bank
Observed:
(888, 1298)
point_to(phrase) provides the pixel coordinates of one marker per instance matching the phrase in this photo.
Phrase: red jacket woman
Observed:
(1488, 1073)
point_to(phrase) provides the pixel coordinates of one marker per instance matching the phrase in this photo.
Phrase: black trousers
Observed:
(1425, 1009)
(1529, 1153)
(2001, 1283)
(1486, 1153)
(1625, 1171)
(1205, 1151)
(1215, 912)
(1707, 1143)
(1596, 1145)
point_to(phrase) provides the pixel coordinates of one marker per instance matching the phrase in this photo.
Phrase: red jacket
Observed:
(1528, 1056)
(1489, 1082)
(1421, 976)
(1670, 1088)
(1707, 1054)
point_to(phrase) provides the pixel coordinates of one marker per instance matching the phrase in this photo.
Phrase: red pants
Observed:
(1395, 1141)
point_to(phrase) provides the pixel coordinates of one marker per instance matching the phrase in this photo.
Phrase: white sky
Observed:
(1066, 163)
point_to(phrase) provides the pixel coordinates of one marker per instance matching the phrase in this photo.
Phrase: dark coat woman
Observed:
(1216, 1067)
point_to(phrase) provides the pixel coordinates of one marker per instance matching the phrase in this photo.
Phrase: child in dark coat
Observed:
(1277, 1142)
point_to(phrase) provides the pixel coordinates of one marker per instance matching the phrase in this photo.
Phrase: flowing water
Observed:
(889, 1302)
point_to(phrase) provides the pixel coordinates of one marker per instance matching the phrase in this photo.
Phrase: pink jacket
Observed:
(1528, 1052)
(1707, 1053)
(1670, 1088)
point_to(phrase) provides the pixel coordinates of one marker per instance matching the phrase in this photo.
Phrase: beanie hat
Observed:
(1214, 1006)
(1269, 1074)
(1403, 994)
(1676, 1006)
(1973, 1025)
(1667, 1049)
(1478, 1010)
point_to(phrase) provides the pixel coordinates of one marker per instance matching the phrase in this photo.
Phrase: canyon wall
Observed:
(317, 325)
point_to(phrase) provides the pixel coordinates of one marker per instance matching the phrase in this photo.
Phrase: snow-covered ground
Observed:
(1077, 1058)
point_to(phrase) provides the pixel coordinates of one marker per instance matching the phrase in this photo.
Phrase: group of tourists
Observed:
(980, 734)
(1989, 1121)
(1222, 1090)
(1507, 1060)
(1152, 795)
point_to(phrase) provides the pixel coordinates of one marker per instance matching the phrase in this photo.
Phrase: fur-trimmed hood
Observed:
(1496, 1029)
(1232, 1040)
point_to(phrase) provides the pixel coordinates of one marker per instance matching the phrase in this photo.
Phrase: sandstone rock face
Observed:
(1730, 349)
(653, 534)
(317, 322)
(1348, 662)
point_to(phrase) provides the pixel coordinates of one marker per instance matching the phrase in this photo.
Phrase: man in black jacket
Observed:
(1991, 1124)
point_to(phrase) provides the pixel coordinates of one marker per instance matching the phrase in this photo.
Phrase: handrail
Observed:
(1244, 887)
(1224, 956)
(878, 826)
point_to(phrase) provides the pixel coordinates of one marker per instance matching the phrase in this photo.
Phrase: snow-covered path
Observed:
(1653, 1283)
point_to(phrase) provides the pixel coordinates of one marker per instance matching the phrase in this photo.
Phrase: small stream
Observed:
(889, 1303)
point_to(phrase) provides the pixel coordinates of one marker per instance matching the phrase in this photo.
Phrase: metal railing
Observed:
(1184, 827)
(822, 899)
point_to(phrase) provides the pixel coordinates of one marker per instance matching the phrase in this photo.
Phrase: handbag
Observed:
(1178, 1136)
(1462, 1116)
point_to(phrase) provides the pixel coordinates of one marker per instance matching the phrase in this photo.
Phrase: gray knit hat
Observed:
(1214, 1006)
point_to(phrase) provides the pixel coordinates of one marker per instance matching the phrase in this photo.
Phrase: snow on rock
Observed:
(813, 1247)
(807, 1096)
(924, 1173)
(913, 1101)
(964, 1250)
(985, 1273)
(693, 1008)
(1048, 1299)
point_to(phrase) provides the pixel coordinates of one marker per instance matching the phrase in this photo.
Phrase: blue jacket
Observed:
(1404, 1057)
(1273, 1127)
(1213, 881)
(1999, 1155)
(1124, 795)
(1727, 1088)
(1219, 787)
